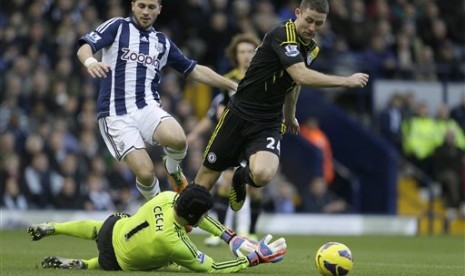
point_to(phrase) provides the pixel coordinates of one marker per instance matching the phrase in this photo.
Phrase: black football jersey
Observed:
(261, 93)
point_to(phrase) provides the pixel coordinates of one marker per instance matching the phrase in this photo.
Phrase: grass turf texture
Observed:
(373, 255)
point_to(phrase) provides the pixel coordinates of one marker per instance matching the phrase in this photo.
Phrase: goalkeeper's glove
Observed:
(239, 246)
(265, 253)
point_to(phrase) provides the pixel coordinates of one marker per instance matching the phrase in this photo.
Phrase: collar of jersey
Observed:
(144, 32)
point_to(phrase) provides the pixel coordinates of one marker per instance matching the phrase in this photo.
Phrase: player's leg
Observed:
(171, 136)
(255, 210)
(84, 229)
(243, 218)
(141, 164)
(125, 143)
(263, 150)
(221, 204)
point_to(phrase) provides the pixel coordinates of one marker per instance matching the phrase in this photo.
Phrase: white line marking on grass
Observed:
(416, 265)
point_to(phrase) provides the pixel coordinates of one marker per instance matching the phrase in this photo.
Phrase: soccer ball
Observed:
(334, 259)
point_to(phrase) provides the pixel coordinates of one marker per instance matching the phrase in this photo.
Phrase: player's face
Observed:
(308, 23)
(244, 52)
(145, 12)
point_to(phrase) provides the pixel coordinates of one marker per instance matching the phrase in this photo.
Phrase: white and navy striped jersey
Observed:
(136, 57)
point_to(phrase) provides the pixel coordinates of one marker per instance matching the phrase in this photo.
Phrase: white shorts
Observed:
(125, 133)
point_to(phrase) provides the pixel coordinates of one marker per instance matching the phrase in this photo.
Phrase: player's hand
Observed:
(242, 246)
(98, 70)
(265, 253)
(239, 246)
(357, 80)
(292, 126)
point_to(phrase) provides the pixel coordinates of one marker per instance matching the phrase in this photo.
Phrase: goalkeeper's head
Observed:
(193, 204)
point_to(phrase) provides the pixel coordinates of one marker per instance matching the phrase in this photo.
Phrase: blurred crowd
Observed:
(433, 141)
(51, 154)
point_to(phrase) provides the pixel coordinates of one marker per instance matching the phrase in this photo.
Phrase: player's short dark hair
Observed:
(320, 6)
(193, 202)
(231, 50)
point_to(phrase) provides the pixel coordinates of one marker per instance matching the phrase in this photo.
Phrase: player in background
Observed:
(239, 52)
(251, 124)
(154, 238)
(129, 109)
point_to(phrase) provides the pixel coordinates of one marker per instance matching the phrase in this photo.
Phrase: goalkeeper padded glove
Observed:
(239, 246)
(265, 253)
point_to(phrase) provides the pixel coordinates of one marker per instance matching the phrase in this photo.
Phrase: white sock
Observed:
(171, 165)
(149, 191)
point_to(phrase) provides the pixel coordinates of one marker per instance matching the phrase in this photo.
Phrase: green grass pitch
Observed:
(373, 255)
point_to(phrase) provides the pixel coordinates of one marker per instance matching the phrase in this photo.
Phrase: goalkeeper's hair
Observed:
(320, 6)
(192, 203)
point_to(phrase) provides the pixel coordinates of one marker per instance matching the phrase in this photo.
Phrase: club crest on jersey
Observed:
(211, 157)
(141, 58)
(94, 37)
(291, 50)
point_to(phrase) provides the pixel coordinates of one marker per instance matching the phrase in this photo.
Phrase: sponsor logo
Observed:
(211, 157)
(200, 257)
(309, 58)
(94, 37)
(141, 58)
(291, 50)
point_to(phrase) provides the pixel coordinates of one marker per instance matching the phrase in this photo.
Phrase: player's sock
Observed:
(148, 191)
(92, 263)
(255, 208)
(173, 158)
(84, 229)
(221, 207)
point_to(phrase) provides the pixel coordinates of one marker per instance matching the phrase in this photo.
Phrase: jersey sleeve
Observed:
(179, 61)
(187, 255)
(212, 226)
(283, 41)
(104, 35)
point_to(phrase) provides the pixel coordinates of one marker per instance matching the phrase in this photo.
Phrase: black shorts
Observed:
(106, 255)
(236, 139)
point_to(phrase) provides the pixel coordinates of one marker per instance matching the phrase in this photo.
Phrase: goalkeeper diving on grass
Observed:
(154, 238)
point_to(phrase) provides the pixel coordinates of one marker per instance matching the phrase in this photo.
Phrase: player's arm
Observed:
(203, 126)
(308, 77)
(95, 68)
(206, 75)
(265, 252)
(292, 125)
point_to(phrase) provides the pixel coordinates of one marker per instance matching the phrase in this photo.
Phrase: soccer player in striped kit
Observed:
(129, 109)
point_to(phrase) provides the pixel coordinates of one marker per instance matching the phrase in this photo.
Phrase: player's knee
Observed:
(262, 176)
(145, 177)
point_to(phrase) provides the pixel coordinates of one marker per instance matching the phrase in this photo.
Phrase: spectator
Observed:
(42, 182)
(12, 198)
(311, 131)
(445, 124)
(458, 112)
(419, 139)
(283, 200)
(448, 161)
(320, 199)
(390, 121)
(68, 198)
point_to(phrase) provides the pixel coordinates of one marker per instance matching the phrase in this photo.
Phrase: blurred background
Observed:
(393, 148)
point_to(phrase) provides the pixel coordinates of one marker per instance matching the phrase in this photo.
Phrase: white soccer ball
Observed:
(334, 259)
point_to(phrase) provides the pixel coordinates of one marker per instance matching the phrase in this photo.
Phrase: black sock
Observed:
(255, 210)
(221, 207)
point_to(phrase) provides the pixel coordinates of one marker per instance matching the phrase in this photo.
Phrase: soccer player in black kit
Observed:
(250, 127)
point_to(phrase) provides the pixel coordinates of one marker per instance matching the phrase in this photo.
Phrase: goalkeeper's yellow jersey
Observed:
(152, 239)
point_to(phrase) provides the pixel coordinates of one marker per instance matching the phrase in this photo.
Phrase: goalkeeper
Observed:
(155, 238)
